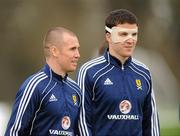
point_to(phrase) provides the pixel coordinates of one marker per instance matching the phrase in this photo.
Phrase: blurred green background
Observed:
(24, 23)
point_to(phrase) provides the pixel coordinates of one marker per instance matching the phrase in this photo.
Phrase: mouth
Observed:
(74, 62)
(128, 47)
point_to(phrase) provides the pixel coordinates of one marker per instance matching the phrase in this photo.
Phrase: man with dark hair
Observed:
(117, 93)
(48, 102)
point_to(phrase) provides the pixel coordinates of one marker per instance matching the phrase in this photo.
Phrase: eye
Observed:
(134, 34)
(123, 34)
(73, 48)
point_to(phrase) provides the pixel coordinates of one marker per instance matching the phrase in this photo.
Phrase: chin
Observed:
(72, 69)
(127, 55)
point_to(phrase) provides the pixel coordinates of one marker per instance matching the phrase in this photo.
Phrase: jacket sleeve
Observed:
(24, 108)
(85, 123)
(150, 116)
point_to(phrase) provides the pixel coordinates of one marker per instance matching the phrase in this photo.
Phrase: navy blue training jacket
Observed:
(117, 100)
(45, 105)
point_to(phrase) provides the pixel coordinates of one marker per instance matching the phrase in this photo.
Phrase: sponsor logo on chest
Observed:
(65, 123)
(60, 133)
(125, 107)
(123, 117)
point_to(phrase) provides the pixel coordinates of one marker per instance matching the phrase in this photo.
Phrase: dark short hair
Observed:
(120, 16)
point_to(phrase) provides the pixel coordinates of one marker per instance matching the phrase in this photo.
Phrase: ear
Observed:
(54, 51)
(108, 37)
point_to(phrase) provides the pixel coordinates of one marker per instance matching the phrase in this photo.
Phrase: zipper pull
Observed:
(122, 67)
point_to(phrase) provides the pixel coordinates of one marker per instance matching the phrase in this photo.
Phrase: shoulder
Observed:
(33, 81)
(73, 83)
(30, 87)
(93, 65)
(139, 64)
(140, 67)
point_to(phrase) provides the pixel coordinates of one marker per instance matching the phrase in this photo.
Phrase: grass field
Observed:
(170, 131)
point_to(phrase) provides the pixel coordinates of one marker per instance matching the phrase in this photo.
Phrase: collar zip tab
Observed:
(122, 67)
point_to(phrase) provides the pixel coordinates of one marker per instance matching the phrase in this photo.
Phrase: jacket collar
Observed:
(116, 62)
(52, 74)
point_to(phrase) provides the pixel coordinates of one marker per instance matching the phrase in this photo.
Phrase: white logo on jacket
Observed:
(52, 98)
(60, 133)
(108, 82)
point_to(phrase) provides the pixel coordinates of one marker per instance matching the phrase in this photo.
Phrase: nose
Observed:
(77, 54)
(130, 40)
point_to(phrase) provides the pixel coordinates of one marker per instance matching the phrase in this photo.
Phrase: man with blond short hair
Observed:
(48, 102)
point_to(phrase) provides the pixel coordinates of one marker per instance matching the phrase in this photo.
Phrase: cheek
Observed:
(65, 55)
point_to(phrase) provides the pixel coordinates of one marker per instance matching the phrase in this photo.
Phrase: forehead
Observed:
(127, 26)
(70, 40)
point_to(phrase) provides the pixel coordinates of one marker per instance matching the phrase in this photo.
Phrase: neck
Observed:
(55, 67)
(122, 59)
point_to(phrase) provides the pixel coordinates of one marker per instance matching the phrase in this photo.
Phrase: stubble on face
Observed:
(69, 53)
